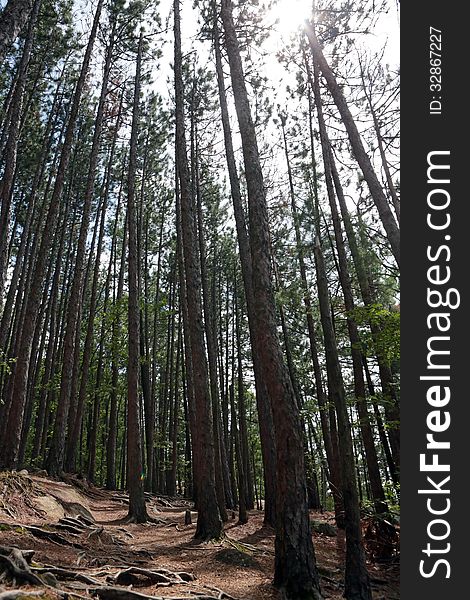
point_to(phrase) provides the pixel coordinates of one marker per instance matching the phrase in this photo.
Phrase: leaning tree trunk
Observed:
(380, 144)
(378, 495)
(295, 568)
(357, 585)
(26, 234)
(392, 411)
(375, 187)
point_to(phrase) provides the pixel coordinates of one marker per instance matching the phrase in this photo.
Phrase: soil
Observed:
(241, 564)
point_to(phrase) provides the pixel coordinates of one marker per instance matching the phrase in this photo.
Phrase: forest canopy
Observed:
(199, 263)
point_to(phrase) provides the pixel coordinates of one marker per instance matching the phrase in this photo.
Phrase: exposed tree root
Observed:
(20, 594)
(17, 491)
(14, 565)
(65, 575)
(44, 534)
(160, 577)
(79, 522)
(115, 593)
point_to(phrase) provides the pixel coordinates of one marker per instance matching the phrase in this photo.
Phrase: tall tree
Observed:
(378, 494)
(209, 524)
(268, 447)
(330, 446)
(357, 584)
(137, 508)
(10, 152)
(10, 443)
(55, 459)
(295, 568)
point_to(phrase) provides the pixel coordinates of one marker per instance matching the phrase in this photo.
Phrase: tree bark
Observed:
(268, 446)
(209, 524)
(137, 508)
(242, 481)
(380, 143)
(211, 347)
(111, 447)
(392, 411)
(331, 455)
(12, 20)
(378, 495)
(357, 584)
(295, 569)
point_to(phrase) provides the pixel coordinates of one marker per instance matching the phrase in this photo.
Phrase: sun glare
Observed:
(290, 15)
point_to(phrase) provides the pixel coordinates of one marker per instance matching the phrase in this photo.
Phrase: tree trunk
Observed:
(242, 482)
(378, 495)
(210, 343)
(55, 460)
(380, 143)
(12, 20)
(209, 524)
(188, 364)
(357, 585)
(10, 443)
(223, 436)
(111, 447)
(268, 446)
(331, 455)
(375, 187)
(137, 509)
(295, 569)
(172, 472)
(392, 411)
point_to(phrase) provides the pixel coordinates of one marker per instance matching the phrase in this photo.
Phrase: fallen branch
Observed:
(243, 546)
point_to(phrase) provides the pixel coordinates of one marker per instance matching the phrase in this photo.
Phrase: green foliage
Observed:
(6, 363)
(386, 342)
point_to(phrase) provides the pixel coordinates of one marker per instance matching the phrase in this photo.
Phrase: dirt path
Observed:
(241, 565)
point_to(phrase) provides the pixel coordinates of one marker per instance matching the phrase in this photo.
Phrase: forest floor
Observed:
(83, 547)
